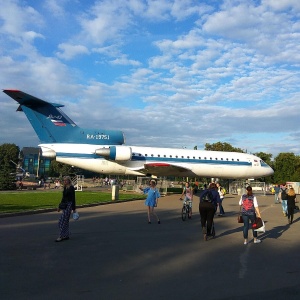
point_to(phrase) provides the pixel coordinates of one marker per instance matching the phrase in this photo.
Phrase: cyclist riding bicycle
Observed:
(187, 192)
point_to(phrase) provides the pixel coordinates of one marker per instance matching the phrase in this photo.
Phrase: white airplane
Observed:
(103, 151)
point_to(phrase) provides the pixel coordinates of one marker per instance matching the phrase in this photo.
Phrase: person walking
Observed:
(284, 199)
(187, 192)
(291, 203)
(249, 209)
(151, 200)
(221, 194)
(66, 205)
(209, 200)
(276, 193)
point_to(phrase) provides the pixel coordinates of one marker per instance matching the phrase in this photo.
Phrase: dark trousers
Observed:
(207, 212)
(290, 211)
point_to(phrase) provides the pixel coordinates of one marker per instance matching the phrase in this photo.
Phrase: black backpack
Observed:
(283, 195)
(207, 197)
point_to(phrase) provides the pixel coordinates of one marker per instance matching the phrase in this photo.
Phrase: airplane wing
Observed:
(164, 169)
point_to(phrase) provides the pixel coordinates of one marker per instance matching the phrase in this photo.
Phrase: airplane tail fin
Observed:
(52, 125)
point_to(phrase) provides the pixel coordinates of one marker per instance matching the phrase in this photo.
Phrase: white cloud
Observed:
(68, 51)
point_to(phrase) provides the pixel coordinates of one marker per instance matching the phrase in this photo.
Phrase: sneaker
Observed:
(257, 241)
(245, 242)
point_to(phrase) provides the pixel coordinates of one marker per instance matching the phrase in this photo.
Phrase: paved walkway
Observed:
(114, 253)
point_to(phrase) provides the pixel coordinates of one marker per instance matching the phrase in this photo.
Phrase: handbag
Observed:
(240, 219)
(257, 223)
(261, 229)
(75, 216)
(63, 205)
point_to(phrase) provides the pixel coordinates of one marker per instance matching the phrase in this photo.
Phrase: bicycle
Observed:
(186, 209)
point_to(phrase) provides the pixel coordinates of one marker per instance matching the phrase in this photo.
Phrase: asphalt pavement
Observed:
(113, 253)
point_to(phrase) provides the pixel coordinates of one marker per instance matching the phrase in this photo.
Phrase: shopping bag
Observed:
(261, 229)
(257, 223)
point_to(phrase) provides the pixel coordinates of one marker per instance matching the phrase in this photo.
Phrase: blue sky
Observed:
(174, 73)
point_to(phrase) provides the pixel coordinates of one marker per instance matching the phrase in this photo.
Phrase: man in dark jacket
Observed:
(209, 200)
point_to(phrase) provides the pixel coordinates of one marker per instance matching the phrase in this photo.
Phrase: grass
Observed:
(21, 201)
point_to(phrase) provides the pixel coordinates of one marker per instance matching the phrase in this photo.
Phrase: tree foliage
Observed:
(57, 168)
(8, 153)
(286, 168)
(219, 146)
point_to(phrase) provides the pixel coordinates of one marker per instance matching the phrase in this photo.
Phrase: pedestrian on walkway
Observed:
(151, 200)
(277, 190)
(209, 200)
(249, 209)
(66, 205)
(291, 203)
(284, 199)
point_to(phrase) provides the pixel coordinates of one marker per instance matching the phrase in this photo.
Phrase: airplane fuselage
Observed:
(160, 161)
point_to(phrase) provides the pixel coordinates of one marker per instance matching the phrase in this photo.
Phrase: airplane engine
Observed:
(48, 153)
(117, 153)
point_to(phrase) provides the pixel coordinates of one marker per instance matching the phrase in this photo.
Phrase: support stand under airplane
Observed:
(102, 151)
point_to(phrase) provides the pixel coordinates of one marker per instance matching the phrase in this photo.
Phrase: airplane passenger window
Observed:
(204, 157)
(146, 154)
(193, 157)
(238, 159)
(176, 156)
(188, 157)
(221, 158)
(152, 155)
(216, 158)
(199, 157)
(164, 155)
(211, 158)
(158, 155)
(170, 155)
(233, 159)
(182, 156)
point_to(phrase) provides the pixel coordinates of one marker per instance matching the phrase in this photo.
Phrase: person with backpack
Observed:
(209, 199)
(249, 210)
(284, 199)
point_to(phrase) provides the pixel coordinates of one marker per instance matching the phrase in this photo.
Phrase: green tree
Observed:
(219, 146)
(8, 153)
(60, 168)
(286, 167)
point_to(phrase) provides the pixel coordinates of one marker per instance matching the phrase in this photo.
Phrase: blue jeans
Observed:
(221, 209)
(246, 219)
(276, 198)
(284, 206)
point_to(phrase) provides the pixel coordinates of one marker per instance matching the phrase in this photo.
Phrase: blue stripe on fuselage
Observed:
(161, 159)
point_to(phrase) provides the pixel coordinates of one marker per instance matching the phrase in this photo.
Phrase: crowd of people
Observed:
(210, 204)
